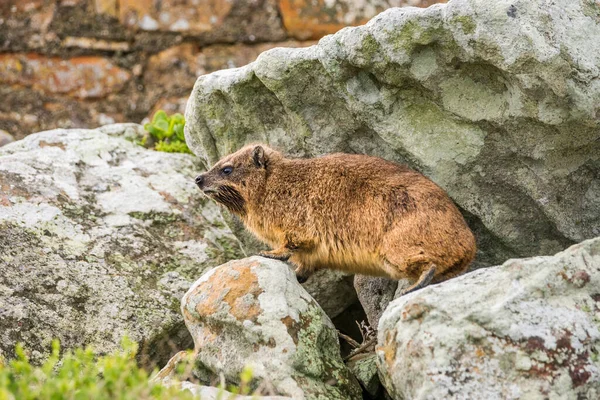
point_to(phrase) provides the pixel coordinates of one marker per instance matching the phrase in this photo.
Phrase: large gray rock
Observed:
(528, 329)
(498, 102)
(254, 313)
(100, 238)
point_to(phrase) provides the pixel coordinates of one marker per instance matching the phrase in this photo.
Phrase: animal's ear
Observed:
(259, 157)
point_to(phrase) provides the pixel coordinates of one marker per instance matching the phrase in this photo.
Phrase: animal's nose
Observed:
(199, 180)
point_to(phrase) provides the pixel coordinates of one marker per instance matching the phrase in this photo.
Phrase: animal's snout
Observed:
(200, 181)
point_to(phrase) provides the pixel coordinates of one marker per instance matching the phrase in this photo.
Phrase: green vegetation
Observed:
(166, 133)
(82, 375)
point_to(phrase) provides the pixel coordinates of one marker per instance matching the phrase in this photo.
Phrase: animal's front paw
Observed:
(275, 256)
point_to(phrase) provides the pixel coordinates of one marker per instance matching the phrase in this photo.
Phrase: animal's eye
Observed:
(227, 170)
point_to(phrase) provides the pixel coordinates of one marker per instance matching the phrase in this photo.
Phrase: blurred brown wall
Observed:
(85, 63)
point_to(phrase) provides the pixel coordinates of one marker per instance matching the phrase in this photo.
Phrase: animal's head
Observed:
(239, 177)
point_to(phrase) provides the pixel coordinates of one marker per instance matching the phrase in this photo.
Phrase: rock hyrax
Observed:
(350, 212)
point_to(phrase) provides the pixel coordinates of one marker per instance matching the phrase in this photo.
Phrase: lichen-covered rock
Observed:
(364, 368)
(253, 312)
(498, 102)
(100, 238)
(527, 329)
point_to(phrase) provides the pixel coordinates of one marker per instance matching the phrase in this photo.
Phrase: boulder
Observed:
(528, 329)
(100, 238)
(498, 102)
(253, 313)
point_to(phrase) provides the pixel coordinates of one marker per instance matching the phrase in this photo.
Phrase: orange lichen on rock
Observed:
(236, 286)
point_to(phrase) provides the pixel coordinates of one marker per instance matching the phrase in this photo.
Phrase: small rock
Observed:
(332, 290)
(253, 312)
(5, 138)
(374, 294)
(220, 21)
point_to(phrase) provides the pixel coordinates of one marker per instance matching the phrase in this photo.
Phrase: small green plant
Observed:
(82, 375)
(245, 382)
(166, 133)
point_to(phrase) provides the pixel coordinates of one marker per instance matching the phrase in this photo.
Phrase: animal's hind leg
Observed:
(424, 280)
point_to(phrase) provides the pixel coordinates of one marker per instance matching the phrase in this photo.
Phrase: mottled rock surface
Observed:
(527, 329)
(213, 393)
(100, 238)
(208, 20)
(364, 368)
(498, 102)
(253, 312)
(374, 294)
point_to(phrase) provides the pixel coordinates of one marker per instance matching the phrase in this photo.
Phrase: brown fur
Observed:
(355, 213)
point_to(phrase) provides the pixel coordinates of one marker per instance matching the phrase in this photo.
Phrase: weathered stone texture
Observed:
(213, 20)
(527, 329)
(81, 77)
(253, 312)
(100, 238)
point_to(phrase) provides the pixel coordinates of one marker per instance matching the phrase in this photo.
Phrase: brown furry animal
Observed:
(355, 213)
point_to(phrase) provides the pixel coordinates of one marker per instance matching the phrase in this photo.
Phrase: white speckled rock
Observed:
(496, 101)
(254, 312)
(100, 238)
(528, 329)
(213, 393)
